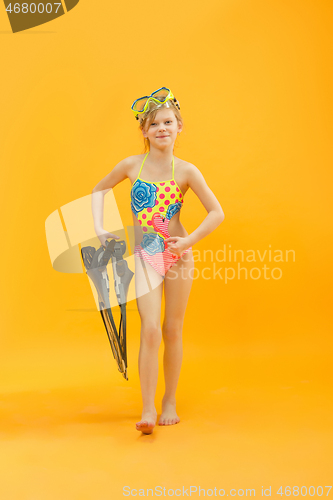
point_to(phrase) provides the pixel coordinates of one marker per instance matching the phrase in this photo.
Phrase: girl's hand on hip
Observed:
(177, 245)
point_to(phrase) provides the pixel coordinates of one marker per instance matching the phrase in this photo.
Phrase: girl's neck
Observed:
(160, 157)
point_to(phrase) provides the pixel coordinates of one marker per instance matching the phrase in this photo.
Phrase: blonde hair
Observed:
(147, 118)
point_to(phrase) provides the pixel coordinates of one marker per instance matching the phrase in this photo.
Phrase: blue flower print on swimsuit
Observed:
(143, 196)
(173, 209)
(152, 243)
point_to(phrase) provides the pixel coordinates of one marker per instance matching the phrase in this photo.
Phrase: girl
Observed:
(163, 248)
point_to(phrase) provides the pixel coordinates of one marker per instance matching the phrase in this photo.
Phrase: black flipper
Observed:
(95, 262)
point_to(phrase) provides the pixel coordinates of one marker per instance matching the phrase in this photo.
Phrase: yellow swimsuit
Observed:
(154, 204)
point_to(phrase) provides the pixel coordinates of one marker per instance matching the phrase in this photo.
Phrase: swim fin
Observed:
(95, 262)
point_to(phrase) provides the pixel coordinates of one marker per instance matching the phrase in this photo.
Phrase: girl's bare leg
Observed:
(149, 306)
(177, 287)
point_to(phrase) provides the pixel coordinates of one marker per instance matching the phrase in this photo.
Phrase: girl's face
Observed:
(163, 130)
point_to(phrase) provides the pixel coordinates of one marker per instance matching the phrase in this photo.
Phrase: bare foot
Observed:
(169, 415)
(147, 422)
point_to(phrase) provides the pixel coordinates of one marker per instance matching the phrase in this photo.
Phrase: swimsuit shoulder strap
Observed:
(143, 163)
(173, 168)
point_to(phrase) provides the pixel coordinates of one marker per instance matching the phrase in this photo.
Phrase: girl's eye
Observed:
(167, 121)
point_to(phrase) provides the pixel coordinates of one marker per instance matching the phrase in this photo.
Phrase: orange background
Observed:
(254, 82)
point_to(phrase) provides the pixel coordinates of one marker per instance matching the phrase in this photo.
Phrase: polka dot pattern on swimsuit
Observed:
(148, 198)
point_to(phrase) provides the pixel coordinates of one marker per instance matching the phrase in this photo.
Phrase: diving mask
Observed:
(160, 96)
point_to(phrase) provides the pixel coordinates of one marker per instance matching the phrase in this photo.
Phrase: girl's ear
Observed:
(180, 127)
(144, 133)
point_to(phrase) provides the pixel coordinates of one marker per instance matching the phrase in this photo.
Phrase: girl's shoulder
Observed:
(133, 160)
(185, 167)
(133, 164)
(184, 171)
(135, 157)
(130, 162)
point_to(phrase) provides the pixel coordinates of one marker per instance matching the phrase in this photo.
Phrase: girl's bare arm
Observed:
(117, 174)
(197, 183)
